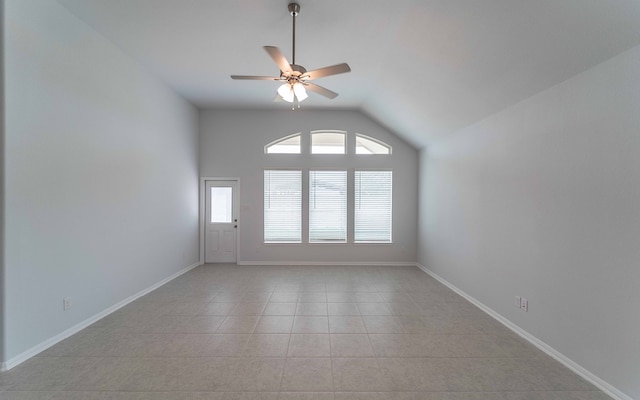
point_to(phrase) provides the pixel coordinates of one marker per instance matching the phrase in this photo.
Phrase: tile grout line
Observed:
(333, 386)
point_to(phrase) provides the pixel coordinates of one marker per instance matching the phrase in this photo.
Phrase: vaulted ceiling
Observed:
(423, 68)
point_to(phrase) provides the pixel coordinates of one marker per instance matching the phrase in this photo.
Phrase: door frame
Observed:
(202, 212)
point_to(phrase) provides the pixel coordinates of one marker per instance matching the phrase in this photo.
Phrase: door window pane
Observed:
(221, 205)
(327, 206)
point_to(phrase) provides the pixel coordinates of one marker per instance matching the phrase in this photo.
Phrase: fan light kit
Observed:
(295, 77)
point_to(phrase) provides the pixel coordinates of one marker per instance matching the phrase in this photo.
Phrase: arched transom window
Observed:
(328, 142)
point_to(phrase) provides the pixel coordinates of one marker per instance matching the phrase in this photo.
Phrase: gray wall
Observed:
(542, 200)
(2, 158)
(232, 145)
(101, 175)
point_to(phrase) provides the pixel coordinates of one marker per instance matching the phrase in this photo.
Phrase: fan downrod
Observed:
(294, 10)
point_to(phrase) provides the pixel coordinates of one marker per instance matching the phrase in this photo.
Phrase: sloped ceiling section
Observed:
(422, 68)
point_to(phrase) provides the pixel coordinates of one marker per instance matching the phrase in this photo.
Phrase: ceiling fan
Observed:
(295, 77)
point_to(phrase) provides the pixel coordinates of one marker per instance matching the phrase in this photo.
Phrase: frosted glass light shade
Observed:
(300, 91)
(288, 92)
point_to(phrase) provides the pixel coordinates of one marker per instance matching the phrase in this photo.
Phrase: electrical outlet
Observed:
(517, 302)
(66, 303)
(524, 305)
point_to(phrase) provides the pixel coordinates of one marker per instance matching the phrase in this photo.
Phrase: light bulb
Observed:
(286, 92)
(300, 91)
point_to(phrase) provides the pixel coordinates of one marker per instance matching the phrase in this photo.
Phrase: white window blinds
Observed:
(373, 209)
(282, 206)
(327, 206)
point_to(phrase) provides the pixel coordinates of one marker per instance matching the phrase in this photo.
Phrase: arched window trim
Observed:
(282, 139)
(378, 141)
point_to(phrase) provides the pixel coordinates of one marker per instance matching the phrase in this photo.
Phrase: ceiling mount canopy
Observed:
(295, 77)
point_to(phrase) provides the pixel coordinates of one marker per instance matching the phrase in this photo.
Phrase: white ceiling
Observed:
(423, 68)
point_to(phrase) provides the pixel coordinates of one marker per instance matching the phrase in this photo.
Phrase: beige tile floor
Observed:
(288, 333)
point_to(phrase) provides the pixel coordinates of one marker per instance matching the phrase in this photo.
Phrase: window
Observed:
(329, 217)
(327, 206)
(367, 145)
(282, 206)
(328, 142)
(372, 214)
(287, 145)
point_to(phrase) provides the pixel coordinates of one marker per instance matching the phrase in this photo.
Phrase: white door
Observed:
(221, 221)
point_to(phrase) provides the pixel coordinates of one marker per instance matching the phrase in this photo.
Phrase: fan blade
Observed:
(254, 78)
(279, 58)
(320, 90)
(326, 71)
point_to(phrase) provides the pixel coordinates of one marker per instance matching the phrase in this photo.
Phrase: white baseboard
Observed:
(566, 361)
(331, 263)
(22, 357)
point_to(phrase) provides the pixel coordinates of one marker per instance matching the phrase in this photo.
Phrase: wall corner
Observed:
(2, 185)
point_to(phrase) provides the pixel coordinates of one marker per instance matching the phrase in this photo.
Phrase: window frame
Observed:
(355, 197)
(350, 168)
(346, 205)
(302, 201)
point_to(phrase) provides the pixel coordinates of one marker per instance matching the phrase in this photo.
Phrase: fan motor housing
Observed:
(297, 70)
